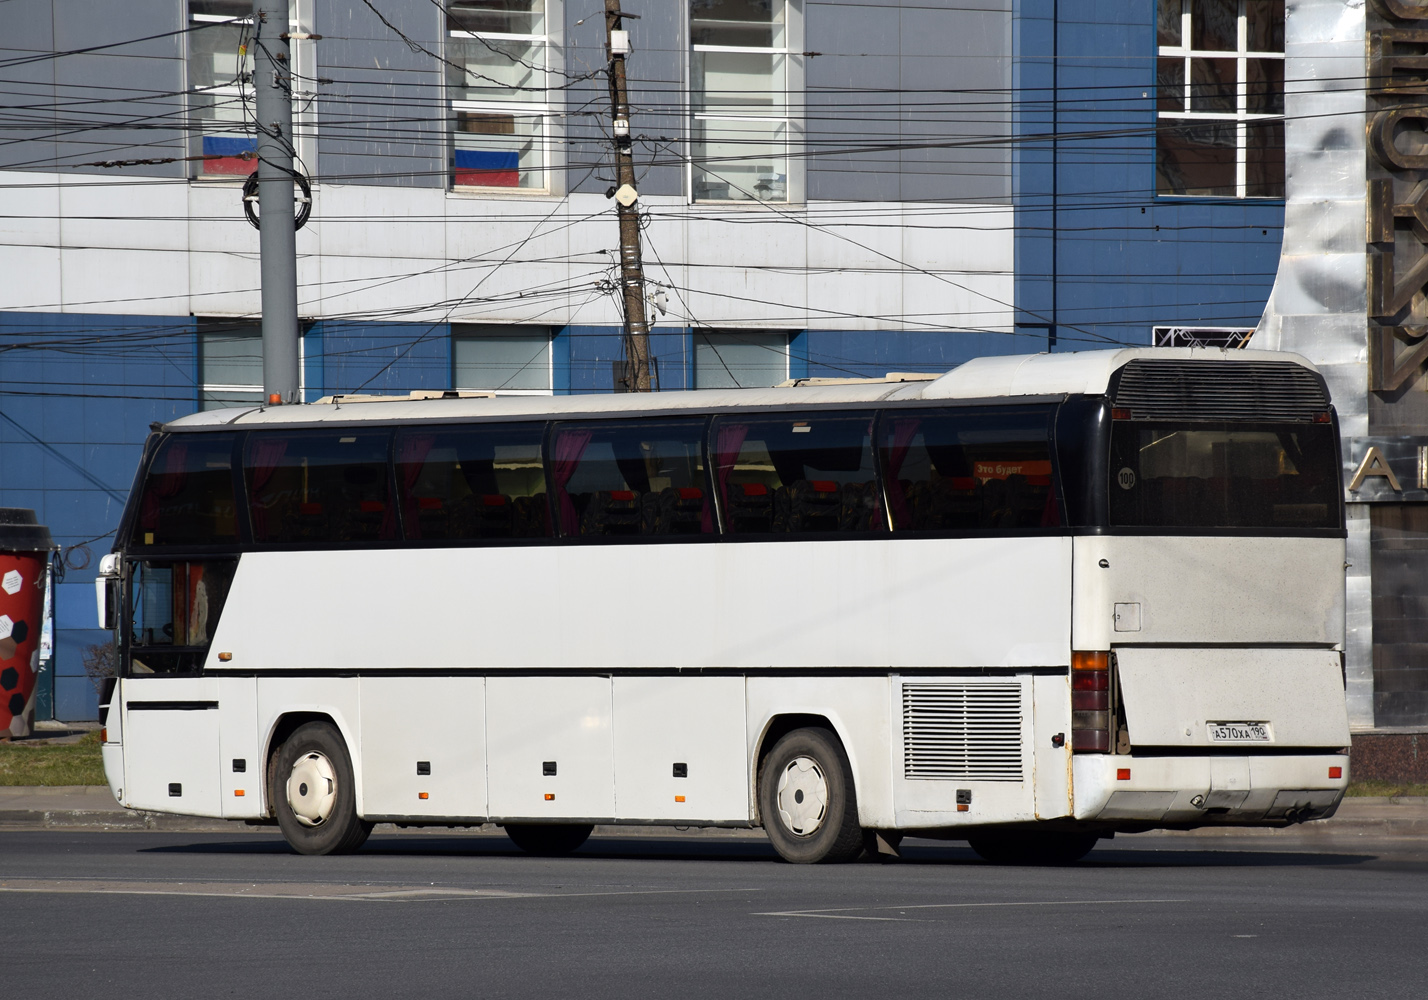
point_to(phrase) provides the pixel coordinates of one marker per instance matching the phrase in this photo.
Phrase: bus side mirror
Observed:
(106, 593)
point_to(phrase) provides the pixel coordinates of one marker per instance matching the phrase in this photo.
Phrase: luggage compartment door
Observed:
(1226, 697)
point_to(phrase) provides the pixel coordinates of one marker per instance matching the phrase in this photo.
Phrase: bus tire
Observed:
(1033, 847)
(548, 840)
(807, 799)
(314, 793)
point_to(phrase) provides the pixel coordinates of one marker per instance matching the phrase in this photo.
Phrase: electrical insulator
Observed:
(622, 126)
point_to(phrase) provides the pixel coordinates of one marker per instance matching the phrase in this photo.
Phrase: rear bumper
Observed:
(1132, 791)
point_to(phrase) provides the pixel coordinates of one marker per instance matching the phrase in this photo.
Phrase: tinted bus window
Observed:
(320, 487)
(188, 493)
(630, 478)
(794, 474)
(174, 611)
(1223, 475)
(969, 469)
(472, 482)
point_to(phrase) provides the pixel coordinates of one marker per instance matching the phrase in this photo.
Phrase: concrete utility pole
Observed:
(277, 234)
(632, 272)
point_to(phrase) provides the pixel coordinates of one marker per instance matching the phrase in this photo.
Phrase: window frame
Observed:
(204, 386)
(545, 110)
(304, 69)
(466, 332)
(791, 117)
(1242, 117)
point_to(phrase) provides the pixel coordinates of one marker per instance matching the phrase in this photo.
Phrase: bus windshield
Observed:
(1223, 475)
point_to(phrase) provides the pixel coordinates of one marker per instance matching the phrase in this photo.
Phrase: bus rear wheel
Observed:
(548, 840)
(314, 792)
(1033, 847)
(806, 798)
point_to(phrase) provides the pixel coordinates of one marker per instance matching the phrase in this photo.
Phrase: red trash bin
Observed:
(25, 547)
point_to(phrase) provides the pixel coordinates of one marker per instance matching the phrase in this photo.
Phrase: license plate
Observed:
(1240, 732)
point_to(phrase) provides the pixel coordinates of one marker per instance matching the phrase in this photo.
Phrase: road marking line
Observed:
(835, 912)
(309, 890)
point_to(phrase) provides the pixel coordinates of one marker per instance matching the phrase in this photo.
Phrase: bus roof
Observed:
(1070, 373)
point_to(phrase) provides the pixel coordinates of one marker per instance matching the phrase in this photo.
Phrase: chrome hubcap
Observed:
(802, 796)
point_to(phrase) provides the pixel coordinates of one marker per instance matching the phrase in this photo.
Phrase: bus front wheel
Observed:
(806, 797)
(548, 840)
(314, 792)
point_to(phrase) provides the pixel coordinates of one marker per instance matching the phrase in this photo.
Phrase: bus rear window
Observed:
(1223, 476)
(188, 493)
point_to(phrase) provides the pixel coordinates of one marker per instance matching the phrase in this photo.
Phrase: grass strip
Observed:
(53, 763)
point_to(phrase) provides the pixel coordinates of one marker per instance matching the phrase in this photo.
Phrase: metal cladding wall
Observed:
(72, 428)
(1100, 258)
(132, 120)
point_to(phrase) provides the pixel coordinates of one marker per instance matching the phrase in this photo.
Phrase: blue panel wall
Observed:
(377, 358)
(1100, 259)
(77, 395)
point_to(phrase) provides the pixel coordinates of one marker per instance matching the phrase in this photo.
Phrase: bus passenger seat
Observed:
(530, 517)
(674, 510)
(612, 512)
(814, 505)
(750, 507)
(860, 508)
(952, 503)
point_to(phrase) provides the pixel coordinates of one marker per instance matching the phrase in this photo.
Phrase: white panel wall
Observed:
(942, 602)
(695, 721)
(83, 243)
(437, 721)
(562, 720)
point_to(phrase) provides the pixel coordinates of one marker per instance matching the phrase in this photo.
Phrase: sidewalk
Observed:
(92, 807)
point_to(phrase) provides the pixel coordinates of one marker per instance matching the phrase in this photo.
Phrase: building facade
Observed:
(828, 189)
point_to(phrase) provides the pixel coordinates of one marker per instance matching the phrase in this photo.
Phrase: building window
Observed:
(230, 364)
(514, 360)
(219, 70)
(498, 56)
(739, 359)
(740, 97)
(1220, 98)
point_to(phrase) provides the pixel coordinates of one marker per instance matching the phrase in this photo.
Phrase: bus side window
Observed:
(187, 495)
(969, 469)
(797, 474)
(319, 487)
(472, 482)
(628, 478)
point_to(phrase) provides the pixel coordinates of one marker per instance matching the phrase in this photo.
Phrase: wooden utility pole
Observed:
(632, 272)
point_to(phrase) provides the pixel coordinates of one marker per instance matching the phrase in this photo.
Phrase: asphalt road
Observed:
(91, 914)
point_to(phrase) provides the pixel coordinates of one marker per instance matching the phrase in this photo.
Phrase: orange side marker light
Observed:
(679, 798)
(550, 796)
(962, 807)
(224, 657)
(237, 793)
(423, 795)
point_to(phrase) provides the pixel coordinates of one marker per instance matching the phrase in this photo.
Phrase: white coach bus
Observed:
(1027, 604)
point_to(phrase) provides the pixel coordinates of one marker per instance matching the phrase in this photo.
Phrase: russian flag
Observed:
(488, 168)
(227, 152)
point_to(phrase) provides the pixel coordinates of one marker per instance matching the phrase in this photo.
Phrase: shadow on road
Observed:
(749, 851)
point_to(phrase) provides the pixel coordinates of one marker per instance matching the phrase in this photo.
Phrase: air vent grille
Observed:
(970, 732)
(1220, 390)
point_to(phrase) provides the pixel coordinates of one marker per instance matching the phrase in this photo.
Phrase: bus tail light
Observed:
(1091, 701)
